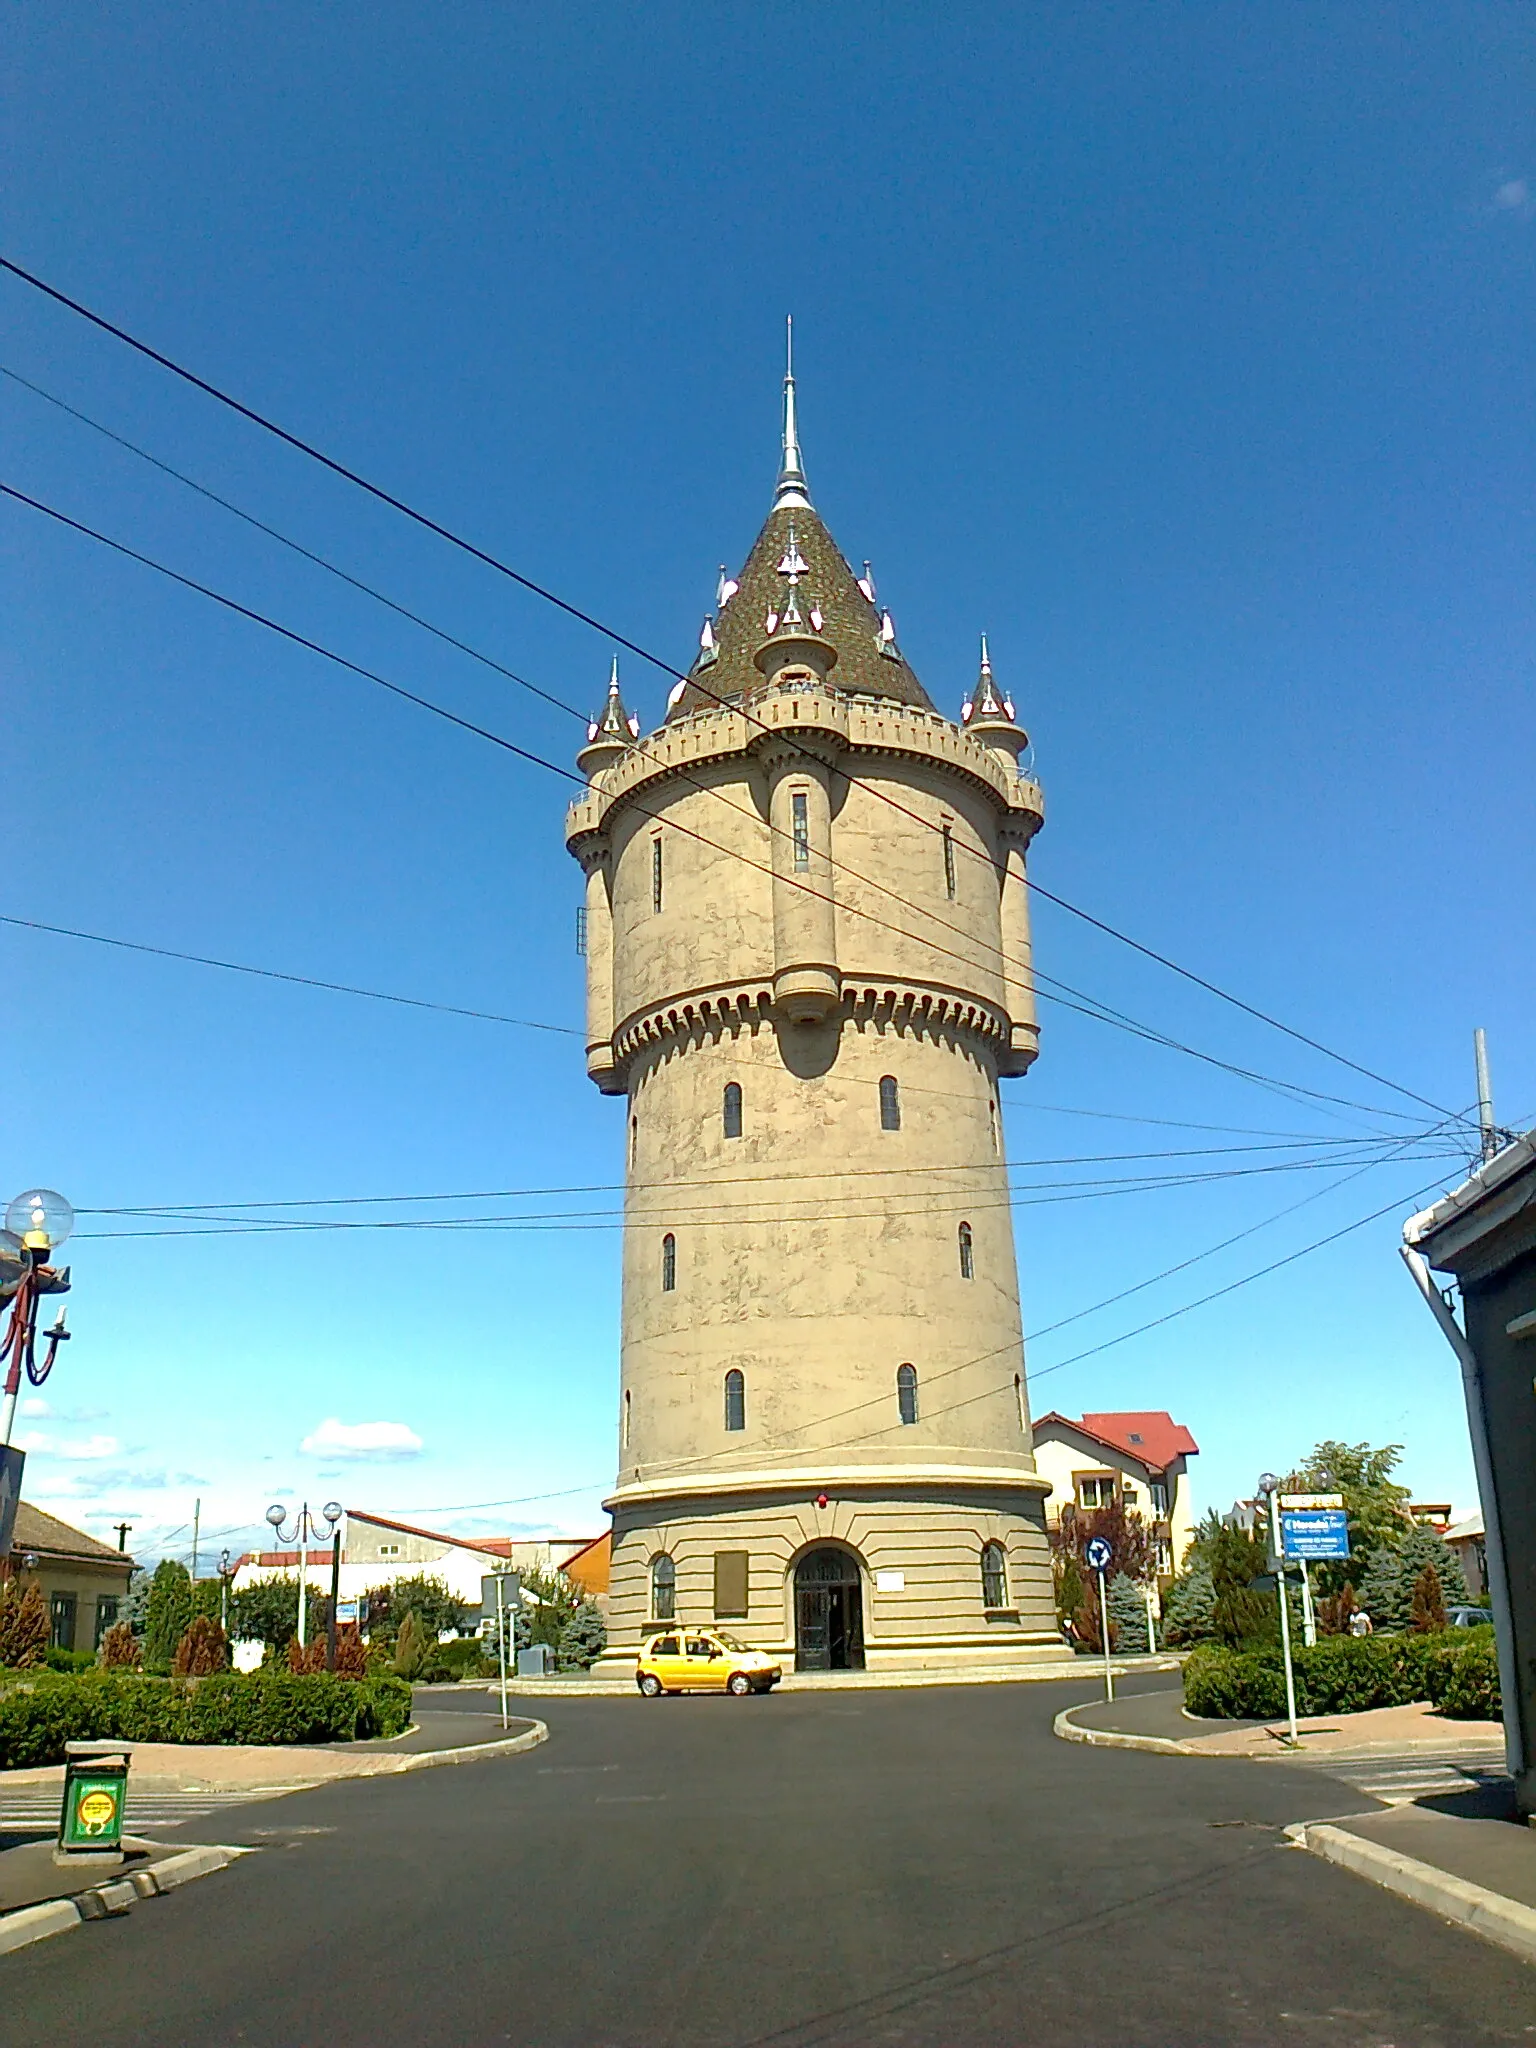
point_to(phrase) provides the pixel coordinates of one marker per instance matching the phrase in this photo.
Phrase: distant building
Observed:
(588, 1567)
(1433, 1515)
(1138, 1457)
(1467, 1538)
(84, 1581)
(377, 1549)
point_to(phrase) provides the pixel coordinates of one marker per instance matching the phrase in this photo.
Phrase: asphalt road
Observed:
(924, 1868)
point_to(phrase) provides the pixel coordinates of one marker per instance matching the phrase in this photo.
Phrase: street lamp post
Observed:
(36, 1224)
(306, 1529)
(1269, 1490)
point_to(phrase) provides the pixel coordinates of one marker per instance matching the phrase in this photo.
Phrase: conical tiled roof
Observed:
(851, 622)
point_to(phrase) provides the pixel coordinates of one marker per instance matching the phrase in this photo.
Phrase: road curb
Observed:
(1106, 1738)
(426, 1759)
(111, 1898)
(1502, 1921)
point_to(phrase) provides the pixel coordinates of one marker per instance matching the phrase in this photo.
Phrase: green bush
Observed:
(38, 1718)
(1347, 1675)
(68, 1660)
(464, 1657)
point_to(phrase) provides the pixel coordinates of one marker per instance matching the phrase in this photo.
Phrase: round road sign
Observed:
(1098, 1553)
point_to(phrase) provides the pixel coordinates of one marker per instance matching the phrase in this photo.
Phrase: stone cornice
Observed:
(832, 1478)
(822, 721)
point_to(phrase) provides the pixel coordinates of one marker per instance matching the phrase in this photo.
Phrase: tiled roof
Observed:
(37, 1531)
(1151, 1436)
(852, 623)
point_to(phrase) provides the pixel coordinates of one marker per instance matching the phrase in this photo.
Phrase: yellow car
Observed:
(702, 1660)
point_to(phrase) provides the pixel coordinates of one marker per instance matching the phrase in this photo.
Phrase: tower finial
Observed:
(792, 488)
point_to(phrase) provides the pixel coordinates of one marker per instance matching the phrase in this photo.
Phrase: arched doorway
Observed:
(829, 1612)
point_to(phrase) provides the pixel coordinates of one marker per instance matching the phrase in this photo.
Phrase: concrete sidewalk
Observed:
(573, 1685)
(1157, 1721)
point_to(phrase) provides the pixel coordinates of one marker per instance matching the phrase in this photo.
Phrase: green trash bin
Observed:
(95, 1791)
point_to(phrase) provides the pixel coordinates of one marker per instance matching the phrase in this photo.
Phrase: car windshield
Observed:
(729, 1642)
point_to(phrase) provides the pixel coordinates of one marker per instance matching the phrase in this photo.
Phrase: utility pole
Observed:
(197, 1516)
(1485, 1123)
(122, 1529)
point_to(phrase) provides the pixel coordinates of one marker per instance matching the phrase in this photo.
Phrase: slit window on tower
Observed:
(967, 1254)
(626, 1418)
(656, 872)
(663, 1588)
(800, 826)
(906, 1392)
(732, 1112)
(949, 861)
(735, 1400)
(994, 1576)
(890, 1103)
(1018, 1395)
(668, 1263)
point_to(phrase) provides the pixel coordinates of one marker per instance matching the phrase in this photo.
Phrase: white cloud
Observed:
(91, 1447)
(374, 1440)
(35, 1406)
(1515, 196)
(34, 1440)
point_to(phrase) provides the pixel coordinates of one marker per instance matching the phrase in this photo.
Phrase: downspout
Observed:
(1498, 1582)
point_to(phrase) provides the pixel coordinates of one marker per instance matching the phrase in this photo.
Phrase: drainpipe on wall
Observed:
(1493, 1536)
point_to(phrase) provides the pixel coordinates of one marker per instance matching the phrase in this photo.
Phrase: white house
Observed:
(1139, 1458)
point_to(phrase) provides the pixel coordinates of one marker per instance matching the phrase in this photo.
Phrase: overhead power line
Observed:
(1088, 1006)
(340, 988)
(551, 597)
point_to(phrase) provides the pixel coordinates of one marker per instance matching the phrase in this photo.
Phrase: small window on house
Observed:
(949, 862)
(668, 1263)
(733, 1109)
(1159, 1498)
(967, 1254)
(994, 1576)
(664, 1590)
(906, 1392)
(389, 1550)
(106, 1616)
(1096, 1490)
(656, 872)
(735, 1400)
(890, 1103)
(1133, 1438)
(800, 829)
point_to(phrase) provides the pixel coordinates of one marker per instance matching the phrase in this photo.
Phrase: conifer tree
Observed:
(1427, 1608)
(1128, 1615)
(411, 1645)
(1190, 1605)
(167, 1613)
(23, 1626)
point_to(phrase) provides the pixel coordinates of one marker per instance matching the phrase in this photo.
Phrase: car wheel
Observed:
(738, 1683)
(650, 1685)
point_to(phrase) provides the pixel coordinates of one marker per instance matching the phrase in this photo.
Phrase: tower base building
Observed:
(808, 962)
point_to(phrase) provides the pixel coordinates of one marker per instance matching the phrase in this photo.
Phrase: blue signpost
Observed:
(1314, 1533)
(1098, 1554)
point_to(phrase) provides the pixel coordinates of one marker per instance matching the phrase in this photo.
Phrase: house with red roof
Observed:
(1137, 1457)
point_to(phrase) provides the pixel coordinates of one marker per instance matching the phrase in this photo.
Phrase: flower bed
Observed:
(40, 1713)
(1456, 1671)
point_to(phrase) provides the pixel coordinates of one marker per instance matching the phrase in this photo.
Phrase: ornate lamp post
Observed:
(307, 1529)
(36, 1224)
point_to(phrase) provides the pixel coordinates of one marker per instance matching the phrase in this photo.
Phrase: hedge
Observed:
(1456, 1671)
(38, 1717)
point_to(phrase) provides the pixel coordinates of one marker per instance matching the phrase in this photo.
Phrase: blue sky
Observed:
(1184, 350)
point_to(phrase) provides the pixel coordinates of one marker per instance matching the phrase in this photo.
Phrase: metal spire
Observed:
(793, 489)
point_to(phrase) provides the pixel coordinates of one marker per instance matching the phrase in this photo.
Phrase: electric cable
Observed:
(539, 590)
(1099, 1011)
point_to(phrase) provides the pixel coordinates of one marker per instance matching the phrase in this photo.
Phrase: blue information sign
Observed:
(1315, 1533)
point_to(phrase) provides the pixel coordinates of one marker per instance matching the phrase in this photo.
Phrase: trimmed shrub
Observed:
(68, 1660)
(202, 1650)
(1346, 1675)
(23, 1626)
(39, 1717)
(119, 1648)
(1464, 1684)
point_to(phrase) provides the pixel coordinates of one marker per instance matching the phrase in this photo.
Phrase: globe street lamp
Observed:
(36, 1224)
(307, 1529)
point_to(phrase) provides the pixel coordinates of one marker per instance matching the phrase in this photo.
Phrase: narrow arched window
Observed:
(994, 1576)
(799, 814)
(656, 872)
(967, 1254)
(735, 1400)
(733, 1109)
(890, 1103)
(949, 861)
(663, 1588)
(906, 1392)
(668, 1263)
